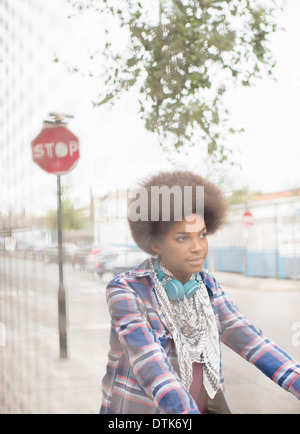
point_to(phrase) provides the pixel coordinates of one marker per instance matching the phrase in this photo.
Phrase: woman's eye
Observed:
(203, 235)
(181, 239)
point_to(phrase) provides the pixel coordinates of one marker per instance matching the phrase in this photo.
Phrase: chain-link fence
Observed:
(33, 379)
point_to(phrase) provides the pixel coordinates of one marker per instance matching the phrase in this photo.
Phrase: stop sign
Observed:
(55, 150)
(248, 218)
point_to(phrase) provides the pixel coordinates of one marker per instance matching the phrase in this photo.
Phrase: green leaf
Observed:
(179, 61)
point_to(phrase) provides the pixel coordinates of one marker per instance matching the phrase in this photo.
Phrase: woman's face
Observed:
(184, 248)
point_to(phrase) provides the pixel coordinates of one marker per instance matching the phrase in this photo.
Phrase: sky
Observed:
(269, 113)
(117, 151)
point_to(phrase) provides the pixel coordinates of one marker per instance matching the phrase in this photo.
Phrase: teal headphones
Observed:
(175, 289)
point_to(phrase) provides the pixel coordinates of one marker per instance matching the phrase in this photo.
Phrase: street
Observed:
(36, 381)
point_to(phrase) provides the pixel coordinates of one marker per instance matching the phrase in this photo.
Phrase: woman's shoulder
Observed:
(135, 284)
(133, 275)
(138, 271)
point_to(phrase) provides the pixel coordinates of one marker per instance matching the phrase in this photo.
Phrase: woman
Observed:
(169, 315)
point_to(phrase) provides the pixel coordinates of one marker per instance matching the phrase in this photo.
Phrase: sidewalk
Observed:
(240, 281)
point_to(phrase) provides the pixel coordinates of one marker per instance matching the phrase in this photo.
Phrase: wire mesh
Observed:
(33, 379)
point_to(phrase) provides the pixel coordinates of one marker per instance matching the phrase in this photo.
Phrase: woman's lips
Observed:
(196, 261)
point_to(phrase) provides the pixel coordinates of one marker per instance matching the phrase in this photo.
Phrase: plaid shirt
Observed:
(142, 373)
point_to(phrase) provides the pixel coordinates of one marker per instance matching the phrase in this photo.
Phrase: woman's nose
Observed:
(196, 245)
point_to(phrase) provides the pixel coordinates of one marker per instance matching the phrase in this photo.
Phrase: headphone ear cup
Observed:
(190, 288)
(175, 290)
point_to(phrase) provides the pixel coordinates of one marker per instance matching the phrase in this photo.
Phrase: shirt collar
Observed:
(143, 269)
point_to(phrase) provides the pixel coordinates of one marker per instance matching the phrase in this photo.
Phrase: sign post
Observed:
(248, 221)
(62, 305)
(56, 150)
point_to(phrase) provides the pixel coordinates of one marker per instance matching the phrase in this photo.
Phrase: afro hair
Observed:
(146, 231)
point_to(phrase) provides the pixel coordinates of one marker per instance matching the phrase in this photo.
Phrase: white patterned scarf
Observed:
(193, 327)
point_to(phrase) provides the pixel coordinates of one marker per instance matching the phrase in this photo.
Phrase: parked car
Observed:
(37, 249)
(93, 260)
(29, 249)
(79, 258)
(23, 249)
(124, 260)
(50, 254)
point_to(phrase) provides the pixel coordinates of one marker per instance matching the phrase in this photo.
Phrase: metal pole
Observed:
(62, 311)
(277, 242)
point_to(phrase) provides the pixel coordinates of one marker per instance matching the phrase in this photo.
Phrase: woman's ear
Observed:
(156, 247)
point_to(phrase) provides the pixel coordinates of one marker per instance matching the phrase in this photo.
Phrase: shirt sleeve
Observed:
(249, 341)
(148, 359)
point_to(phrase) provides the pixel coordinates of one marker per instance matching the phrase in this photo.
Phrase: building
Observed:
(110, 220)
(267, 246)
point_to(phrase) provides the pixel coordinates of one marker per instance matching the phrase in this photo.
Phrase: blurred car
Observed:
(79, 258)
(37, 250)
(23, 249)
(93, 261)
(50, 254)
(124, 260)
